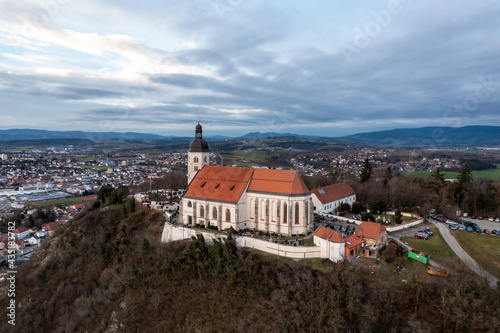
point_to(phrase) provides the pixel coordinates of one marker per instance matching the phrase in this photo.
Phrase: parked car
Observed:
(421, 235)
(486, 231)
(495, 232)
(469, 228)
(479, 230)
(497, 219)
(453, 226)
(473, 217)
(480, 218)
(428, 231)
(491, 219)
(461, 228)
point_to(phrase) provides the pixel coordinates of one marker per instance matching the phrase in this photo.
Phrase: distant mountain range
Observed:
(470, 136)
(31, 134)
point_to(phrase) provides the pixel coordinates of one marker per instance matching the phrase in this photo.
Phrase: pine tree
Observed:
(438, 175)
(464, 179)
(366, 171)
(387, 175)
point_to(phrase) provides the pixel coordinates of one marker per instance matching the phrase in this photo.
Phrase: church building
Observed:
(267, 200)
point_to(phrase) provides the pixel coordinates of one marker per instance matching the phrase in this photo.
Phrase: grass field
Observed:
(490, 173)
(61, 202)
(485, 249)
(435, 246)
(100, 167)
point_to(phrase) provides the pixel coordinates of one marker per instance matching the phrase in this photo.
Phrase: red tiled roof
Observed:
(277, 181)
(328, 234)
(51, 226)
(353, 241)
(369, 230)
(219, 183)
(228, 183)
(20, 229)
(333, 192)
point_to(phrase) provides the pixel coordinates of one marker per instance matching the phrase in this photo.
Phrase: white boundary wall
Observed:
(404, 225)
(172, 233)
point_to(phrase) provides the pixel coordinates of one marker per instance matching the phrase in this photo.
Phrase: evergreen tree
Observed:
(438, 175)
(464, 179)
(366, 171)
(387, 175)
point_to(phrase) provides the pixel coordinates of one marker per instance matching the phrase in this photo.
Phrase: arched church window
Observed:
(202, 211)
(285, 213)
(306, 209)
(256, 209)
(228, 215)
(296, 213)
(252, 210)
(205, 159)
(214, 213)
(195, 159)
(190, 204)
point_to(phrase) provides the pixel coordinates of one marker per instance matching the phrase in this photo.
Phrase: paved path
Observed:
(471, 263)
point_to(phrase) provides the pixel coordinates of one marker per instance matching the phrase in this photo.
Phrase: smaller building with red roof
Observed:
(374, 235)
(328, 198)
(353, 246)
(331, 243)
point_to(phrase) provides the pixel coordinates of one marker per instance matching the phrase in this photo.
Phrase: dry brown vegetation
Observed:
(108, 272)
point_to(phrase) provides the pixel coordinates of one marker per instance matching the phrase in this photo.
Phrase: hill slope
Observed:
(107, 272)
(430, 137)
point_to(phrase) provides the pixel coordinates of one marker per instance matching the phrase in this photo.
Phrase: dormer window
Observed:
(217, 186)
(232, 187)
(203, 184)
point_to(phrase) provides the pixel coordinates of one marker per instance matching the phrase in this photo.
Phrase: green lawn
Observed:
(435, 246)
(100, 167)
(490, 173)
(60, 202)
(484, 249)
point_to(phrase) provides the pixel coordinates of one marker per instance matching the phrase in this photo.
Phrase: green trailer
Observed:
(419, 256)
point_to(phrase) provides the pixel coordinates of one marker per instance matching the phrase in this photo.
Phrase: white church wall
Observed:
(173, 233)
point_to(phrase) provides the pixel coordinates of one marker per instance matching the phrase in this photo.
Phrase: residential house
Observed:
(374, 235)
(19, 244)
(21, 232)
(51, 227)
(41, 233)
(33, 240)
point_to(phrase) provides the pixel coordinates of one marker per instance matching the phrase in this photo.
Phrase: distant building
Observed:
(4, 157)
(328, 198)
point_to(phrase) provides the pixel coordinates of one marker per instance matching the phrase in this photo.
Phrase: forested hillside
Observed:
(106, 271)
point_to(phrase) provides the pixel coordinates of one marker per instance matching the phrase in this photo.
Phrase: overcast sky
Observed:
(308, 67)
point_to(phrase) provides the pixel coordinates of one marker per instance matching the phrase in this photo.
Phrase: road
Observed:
(471, 263)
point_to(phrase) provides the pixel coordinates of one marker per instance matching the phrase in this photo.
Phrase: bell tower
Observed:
(198, 154)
